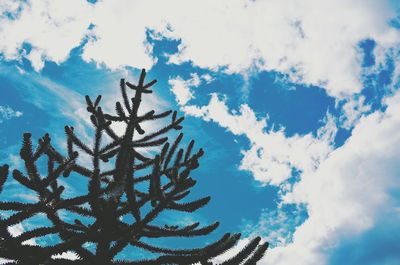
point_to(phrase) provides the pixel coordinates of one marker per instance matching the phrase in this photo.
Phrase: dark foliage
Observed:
(113, 193)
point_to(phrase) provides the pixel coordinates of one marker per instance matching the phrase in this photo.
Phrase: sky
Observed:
(296, 104)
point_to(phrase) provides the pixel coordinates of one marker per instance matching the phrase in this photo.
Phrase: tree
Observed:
(116, 177)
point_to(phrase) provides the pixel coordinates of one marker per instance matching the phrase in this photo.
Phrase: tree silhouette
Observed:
(121, 182)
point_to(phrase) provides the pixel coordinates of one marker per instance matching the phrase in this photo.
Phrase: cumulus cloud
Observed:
(352, 192)
(272, 156)
(51, 28)
(313, 42)
(118, 37)
(346, 190)
(7, 113)
(349, 191)
(182, 88)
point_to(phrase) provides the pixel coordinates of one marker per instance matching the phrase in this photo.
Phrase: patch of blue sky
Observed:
(14, 14)
(162, 46)
(299, 108)
(395, 23)
(231, 85)
(13, 95)
(341, 136)
(367, 46)
(26, 87)
(130, 252)
(377, 246)
(376, 83)
(225, 183)
(80, 76)
(14, 191)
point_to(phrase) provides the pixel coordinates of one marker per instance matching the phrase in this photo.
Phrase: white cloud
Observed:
(9, 7)
(272, 155)
(282, 34)
(7, 113)
(52, 28)
(350, 190)
(313, 42)
(208, 78)
(181, 88)
(346, 190)
(118, 38)
(36, 58)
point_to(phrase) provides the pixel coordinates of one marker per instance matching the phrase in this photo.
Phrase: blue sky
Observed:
(295, 103)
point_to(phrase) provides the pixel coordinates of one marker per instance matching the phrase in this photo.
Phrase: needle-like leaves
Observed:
(129, 186)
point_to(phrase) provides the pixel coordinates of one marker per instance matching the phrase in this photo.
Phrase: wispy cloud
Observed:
(7, 113)
(277, 226)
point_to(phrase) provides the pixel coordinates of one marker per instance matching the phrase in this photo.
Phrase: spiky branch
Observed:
(114, 193)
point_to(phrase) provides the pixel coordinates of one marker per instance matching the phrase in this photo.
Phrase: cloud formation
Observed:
(351, 197)
(50, 28)
(312, 42)
(350, 191)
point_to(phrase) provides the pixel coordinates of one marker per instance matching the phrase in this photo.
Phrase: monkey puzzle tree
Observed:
(121, 182)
